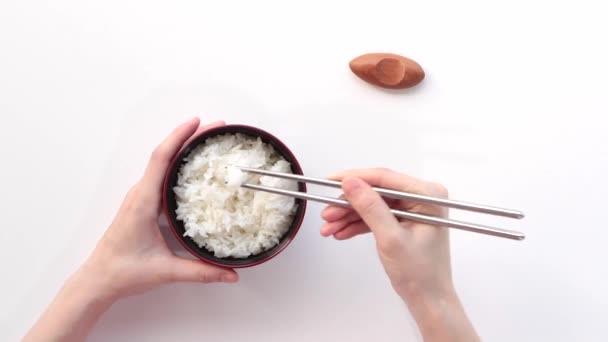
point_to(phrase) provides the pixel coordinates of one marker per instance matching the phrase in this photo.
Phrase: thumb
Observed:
(369, 205)
(197, 271)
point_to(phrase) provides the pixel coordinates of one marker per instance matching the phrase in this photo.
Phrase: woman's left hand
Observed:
(132, 255)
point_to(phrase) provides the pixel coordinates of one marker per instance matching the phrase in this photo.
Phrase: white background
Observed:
(511, 113)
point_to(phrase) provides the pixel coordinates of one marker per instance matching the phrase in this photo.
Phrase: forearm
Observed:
(440, 317)
(74, 311)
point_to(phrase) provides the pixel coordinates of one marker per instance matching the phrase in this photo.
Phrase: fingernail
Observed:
(229, 277)
(190, 121)
(333, 176)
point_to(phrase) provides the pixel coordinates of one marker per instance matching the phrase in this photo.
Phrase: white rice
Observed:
(220, 215)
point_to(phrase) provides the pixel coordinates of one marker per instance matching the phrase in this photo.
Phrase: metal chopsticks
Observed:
(397, 194)
(482, 229)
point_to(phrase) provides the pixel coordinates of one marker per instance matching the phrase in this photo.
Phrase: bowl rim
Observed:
(176, 158)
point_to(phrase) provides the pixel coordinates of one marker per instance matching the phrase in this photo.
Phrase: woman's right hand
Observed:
(415, 256)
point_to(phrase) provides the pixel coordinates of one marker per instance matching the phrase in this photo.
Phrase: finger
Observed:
(201, 129)
(334, 213)
(331, 228)
(200, 272)
(151, 184)
(388, 179)
(162, 155)
(370, 206)
(352, 230)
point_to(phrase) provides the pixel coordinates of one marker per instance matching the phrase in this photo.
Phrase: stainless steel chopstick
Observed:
(397, 194)
(476, 228)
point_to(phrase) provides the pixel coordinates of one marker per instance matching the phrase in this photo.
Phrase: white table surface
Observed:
(511, 113)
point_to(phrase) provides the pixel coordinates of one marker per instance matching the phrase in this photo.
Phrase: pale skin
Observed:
(132, 256)
(416, 257)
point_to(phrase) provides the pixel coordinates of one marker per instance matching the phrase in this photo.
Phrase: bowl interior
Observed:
(178, 225)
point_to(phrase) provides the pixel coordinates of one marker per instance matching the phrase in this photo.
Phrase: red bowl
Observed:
(177, 226)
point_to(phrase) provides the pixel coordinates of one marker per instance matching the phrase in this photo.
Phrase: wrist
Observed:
(440, 315)
(93, 283)
(427, 300)
(416, 291)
